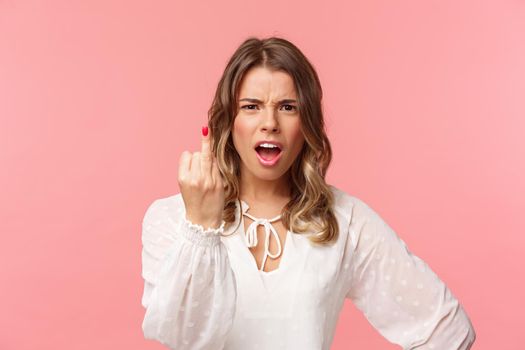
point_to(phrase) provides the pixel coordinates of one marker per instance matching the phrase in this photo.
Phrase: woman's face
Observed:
(267, 108)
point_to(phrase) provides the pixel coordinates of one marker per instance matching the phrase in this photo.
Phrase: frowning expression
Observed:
(267, 111)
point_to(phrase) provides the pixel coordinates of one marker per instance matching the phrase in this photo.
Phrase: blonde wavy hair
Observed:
(311, 203)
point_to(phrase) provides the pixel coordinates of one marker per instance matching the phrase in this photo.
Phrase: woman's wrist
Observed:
(197, 234)
(204, 224)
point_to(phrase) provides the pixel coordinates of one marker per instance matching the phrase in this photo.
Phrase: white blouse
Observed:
(205, 291)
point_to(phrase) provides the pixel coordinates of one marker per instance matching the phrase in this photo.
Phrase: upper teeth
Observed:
(268, 145)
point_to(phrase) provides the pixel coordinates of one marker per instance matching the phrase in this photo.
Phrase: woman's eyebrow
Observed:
(254, 100)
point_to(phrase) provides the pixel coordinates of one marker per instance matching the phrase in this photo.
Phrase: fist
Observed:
(201, 185)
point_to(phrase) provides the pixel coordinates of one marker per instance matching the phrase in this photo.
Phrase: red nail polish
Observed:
(205, 131)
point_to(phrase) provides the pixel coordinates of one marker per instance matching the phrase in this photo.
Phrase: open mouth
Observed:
(268, 154)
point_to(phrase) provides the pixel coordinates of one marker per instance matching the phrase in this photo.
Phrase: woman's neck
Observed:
(265, 198)
(260, 190)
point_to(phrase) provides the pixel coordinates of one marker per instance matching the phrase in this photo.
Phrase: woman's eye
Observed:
(290, 109)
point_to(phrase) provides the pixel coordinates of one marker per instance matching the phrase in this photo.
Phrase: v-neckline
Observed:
(287, 249)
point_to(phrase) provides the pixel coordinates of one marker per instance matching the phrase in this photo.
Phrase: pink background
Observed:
(424, 105)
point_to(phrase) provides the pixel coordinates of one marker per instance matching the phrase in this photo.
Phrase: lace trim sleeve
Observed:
(198, 235)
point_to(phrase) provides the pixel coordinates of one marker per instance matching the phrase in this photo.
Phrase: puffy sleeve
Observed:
(189, 287)
(398, 293)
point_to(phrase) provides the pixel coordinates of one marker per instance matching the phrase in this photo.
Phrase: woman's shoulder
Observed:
(164, 207)
(350, 206)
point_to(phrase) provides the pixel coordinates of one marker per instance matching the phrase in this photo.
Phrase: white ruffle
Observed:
(210, 230)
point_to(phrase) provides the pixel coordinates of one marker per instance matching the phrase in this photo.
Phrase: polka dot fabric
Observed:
(397, 291)
(189, 291)
(203, 288)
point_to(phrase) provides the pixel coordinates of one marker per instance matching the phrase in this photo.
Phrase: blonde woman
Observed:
(258, 251)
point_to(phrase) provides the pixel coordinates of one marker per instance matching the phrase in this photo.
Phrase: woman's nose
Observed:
(270, 121)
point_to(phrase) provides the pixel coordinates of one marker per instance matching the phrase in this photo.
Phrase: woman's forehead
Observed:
(260, 82)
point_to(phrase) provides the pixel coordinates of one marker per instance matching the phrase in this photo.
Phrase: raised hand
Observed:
(201, 185)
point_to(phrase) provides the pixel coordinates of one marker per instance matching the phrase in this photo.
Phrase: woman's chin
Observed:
(267, 174)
